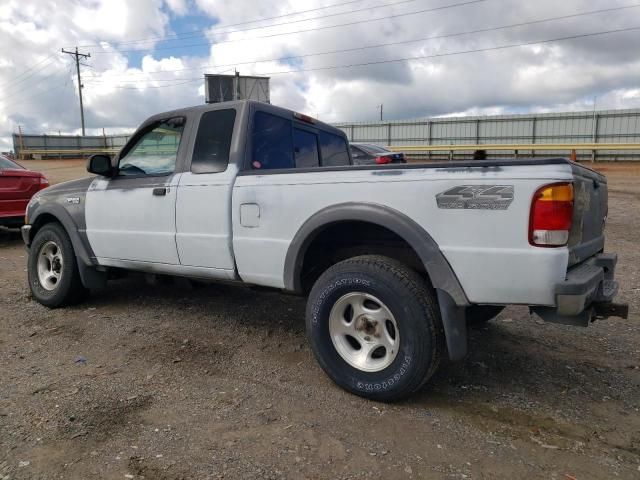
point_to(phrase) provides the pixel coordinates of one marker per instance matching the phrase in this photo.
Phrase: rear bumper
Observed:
(587, 293)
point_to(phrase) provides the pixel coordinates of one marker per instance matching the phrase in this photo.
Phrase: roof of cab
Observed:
(233, 104)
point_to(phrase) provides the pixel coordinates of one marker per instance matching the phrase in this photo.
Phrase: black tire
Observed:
(421, 341)
(68, 289)
(478, 315)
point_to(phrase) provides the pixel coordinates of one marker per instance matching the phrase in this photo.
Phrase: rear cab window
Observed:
(281, 143)
(334, 148)
(271, 142)
(305, 148)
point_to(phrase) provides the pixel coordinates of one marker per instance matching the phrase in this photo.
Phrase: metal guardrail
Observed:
(89, 151)
(68, 151)
(516, 147)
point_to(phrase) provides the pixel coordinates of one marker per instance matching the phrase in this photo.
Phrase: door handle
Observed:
(160, 191)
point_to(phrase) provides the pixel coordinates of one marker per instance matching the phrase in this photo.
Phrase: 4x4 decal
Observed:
(476, 197)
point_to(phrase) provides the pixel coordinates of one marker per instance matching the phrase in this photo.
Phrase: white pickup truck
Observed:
(396, 260)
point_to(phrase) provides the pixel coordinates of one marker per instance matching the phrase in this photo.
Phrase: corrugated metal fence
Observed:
(605, 126)
(54, 146)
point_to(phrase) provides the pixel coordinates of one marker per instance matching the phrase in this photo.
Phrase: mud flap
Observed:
(90, 277)
(455, 326)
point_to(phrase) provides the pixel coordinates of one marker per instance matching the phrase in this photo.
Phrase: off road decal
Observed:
(476, 197)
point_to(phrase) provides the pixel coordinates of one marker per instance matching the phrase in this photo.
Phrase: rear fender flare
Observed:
(439, 271)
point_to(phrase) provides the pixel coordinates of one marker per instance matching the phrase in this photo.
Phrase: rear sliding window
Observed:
(213, 142)
(305, 148)
(334, 150)
(277, 143)
(271, 142)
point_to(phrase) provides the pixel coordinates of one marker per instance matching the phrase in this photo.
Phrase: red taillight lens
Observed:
(551, 215)
(383, 160)
(44, 183)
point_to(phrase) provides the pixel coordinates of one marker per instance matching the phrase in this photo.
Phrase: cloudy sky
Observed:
(335, 59)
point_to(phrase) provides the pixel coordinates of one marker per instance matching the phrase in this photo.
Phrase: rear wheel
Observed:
(52, 269)
(375, 327)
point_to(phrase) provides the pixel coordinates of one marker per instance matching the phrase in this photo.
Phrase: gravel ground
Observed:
(170, 382)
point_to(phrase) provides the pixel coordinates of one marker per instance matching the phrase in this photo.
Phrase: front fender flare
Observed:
(81, 248)
(91, 278)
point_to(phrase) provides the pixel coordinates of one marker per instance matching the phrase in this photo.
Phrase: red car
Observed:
(17, 186)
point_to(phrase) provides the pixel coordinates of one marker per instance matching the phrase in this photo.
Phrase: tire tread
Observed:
(418, 289)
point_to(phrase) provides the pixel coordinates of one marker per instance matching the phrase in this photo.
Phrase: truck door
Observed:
(131, 217)
(203, 210)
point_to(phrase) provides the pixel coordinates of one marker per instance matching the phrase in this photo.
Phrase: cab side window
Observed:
(271, 142)
(334, 150)
(155, 152)
(213, 141)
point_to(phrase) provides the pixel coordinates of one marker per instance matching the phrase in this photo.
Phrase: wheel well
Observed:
(346, 239)
(41, 221)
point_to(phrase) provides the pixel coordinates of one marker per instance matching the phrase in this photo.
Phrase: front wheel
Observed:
(52, 269)
(375, 328)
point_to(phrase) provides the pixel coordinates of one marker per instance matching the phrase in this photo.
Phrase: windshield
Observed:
(155, 152)
(373, 149)
(6, 163)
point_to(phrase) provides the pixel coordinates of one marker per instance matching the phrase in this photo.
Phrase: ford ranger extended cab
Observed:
(396, 260)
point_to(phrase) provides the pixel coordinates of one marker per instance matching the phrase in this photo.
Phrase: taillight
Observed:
(551, 215)
(44, 183)
(383, 160)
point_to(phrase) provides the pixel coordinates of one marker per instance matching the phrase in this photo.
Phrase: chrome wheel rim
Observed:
(364, 332)
(50, 264)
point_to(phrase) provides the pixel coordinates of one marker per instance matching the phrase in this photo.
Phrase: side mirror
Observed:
(100, 165)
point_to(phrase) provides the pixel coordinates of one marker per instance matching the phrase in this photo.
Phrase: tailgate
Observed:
(586, 237)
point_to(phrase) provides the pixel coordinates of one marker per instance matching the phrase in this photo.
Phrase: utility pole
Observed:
(381, 106)
(77, 56)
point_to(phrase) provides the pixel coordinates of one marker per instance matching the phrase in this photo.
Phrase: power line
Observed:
(26, 87)
(299, 12)
(402, 42)
(461, 52)
(17, 81)
(437, 55)
(47, 90)
(6, 84)
(143, 87)
(427, 10)
(201, 33)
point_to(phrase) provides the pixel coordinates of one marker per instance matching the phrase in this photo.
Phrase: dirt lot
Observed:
(167, 382)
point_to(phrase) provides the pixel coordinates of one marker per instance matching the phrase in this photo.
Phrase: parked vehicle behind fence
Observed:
(370, 154)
